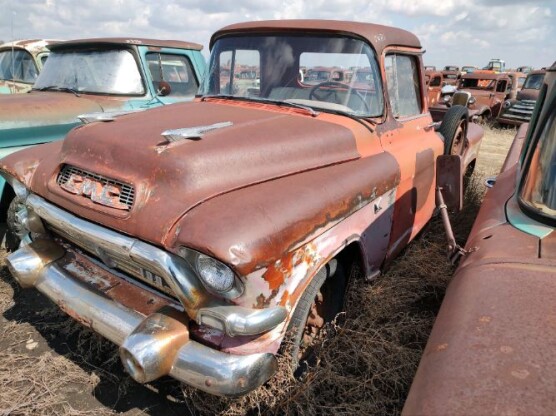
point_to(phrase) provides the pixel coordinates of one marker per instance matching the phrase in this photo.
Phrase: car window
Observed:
(436, 81)
(501, 87)
(110, 71)
(176, 70)
(538, 191)
(402, 79)
(18, 65)
(246, 75)
(336, 74)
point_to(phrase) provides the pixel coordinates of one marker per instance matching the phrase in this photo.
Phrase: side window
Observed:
(436, 81)
(402, 79)
(176, 70)
(501, 87)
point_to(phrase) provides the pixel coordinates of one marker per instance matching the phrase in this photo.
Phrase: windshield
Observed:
(18, 65)
(538, 190)
(477, 84)
(533, 82)
(92, 71)
(312, 71)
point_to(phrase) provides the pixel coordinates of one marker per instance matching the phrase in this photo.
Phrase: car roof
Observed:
(484, 75)
(378, 36)
(31, 45)
(161, 43)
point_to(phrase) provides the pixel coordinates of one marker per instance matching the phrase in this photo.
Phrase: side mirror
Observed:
(449, 178)
(164, 89)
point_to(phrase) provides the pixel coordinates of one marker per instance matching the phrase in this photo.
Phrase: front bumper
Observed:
(150, 346)
(151, 328)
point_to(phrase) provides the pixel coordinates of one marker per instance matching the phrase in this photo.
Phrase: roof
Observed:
(377, 35)
(35, 45)
(484, 75)
(162, 43)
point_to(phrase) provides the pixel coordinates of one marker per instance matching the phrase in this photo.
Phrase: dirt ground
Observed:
(51, 365)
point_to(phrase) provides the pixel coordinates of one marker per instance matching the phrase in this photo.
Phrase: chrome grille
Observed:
(116, 261)
(127, 192)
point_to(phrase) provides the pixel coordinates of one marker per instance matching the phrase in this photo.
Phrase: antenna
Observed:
(13, 51)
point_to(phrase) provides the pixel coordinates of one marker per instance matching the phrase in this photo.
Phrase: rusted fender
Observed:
(282, 215)
(493, 346)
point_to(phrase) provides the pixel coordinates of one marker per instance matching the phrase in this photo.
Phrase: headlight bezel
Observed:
(231, 291)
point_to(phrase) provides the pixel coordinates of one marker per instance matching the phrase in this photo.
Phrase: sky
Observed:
(453, 32)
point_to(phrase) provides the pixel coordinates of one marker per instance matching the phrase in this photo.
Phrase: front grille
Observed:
(116, 261)
(127, 192)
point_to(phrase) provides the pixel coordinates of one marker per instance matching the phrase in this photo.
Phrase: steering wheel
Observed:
(314, 89)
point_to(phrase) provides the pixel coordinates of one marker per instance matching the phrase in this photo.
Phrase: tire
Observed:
(330, 282)
(13, 228)
(454, 129)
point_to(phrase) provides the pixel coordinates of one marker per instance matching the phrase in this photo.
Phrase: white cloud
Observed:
(468, 32)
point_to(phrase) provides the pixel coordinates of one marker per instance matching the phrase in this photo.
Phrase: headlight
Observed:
(446, 98)
(215, 276)
(472, 100)
(507, 104)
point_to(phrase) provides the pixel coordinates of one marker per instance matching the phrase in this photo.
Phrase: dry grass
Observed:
(365, 365)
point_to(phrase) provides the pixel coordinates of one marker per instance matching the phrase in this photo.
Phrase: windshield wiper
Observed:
(56, 88)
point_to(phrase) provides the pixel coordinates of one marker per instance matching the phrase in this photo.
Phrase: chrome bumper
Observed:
(113, 247)
(151, 346)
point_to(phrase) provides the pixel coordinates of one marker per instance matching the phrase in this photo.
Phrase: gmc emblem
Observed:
(107, 195)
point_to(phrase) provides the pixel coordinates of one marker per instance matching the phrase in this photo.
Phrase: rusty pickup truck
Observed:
(197, 236)
(492, 348)
(482, 93)
(519, 110)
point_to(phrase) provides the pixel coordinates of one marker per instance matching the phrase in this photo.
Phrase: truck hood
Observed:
(255, 143)
(528, 94)
(41, 116)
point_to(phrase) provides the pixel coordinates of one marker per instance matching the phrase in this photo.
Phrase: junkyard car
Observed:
(491, 351)
(317, 75)
(195, 235)
(468, 69)
(95, 76)
(517, 80)
(20, 64)
(519, 110)
(483, 93)
(496, 65)
(434, 82)
(451, 77)
(524, 69)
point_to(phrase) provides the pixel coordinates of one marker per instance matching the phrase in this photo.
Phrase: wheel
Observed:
(14, 230)
(454, 130)
(313, 92)
(322, 300)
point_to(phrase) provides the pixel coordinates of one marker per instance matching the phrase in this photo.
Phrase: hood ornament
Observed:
(192, 133)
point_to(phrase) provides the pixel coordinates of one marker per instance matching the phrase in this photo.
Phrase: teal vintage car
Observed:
(96, 78)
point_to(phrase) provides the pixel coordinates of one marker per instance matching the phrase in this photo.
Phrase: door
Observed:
(414, 145)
